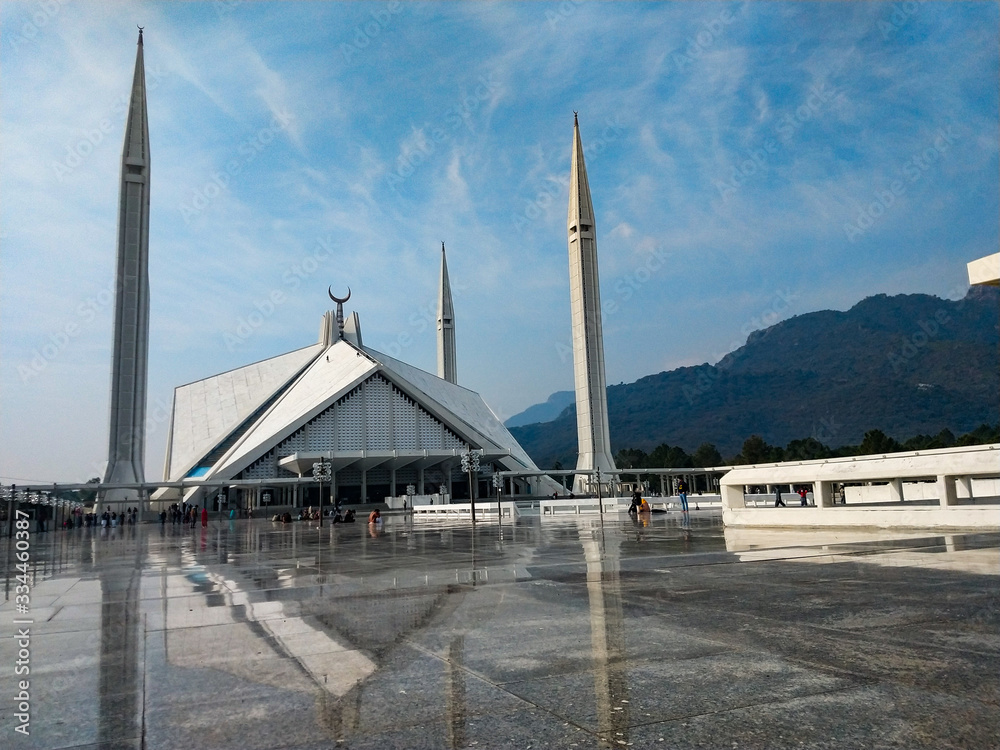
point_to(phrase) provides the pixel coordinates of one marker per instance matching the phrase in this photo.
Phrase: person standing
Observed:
(636, 500)
(777, 497)
(802, 495)
(682, 494)
(204, 516)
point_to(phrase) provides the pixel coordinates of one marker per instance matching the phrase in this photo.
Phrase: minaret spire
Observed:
(447, 367)
(593, 435)
(127, 434)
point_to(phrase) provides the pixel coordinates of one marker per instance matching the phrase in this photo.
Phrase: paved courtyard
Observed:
(554, 633)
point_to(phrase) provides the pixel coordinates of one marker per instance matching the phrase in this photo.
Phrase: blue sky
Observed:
(748, 162)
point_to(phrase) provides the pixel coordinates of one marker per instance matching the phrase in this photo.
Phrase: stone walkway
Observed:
(564, 633)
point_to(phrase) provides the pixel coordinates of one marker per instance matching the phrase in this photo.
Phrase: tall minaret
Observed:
(127, 437)
(446, 327)
(588, 339)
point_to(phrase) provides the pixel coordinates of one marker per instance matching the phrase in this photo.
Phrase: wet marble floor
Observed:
(554, 633)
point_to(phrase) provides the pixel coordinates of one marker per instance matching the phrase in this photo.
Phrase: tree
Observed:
(920, 443)
(807, 449)
(89, 496)
(631, 458)
(707, 455)
(982, 435)
(876, 441)
(670, 457)
(946, 438)
(757, 451)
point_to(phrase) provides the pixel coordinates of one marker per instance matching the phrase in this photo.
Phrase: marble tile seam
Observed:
(778, 701)
(501, 686)
(770, 623)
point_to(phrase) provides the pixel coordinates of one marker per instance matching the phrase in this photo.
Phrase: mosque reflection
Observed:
(284, 611)
(434, 630)
(361, 626)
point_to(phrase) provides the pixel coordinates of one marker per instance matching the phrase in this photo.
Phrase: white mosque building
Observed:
(383, 425)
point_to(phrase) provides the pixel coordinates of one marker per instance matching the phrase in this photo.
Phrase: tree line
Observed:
(756, 450)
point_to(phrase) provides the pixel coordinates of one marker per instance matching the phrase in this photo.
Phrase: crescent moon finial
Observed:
(337, 300)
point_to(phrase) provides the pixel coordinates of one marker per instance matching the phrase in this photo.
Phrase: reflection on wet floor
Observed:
(582, 632)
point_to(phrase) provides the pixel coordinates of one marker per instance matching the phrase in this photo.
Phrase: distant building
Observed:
(985, 271)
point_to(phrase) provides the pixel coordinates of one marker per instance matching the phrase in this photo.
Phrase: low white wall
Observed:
(397, 503)
(917, 517)
(483, 508)
(879, 493)
(585, 505)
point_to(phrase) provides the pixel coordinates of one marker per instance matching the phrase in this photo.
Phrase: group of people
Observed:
(112, 519)
(184, 513)
(639, 504)
(802, 492)
(313, 515)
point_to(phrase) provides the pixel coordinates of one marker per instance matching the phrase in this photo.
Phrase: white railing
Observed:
(507, 509)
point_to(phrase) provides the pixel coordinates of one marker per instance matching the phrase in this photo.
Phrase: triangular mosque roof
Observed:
(206, 411)
(331, 375)
(222, 425)
(466, 405)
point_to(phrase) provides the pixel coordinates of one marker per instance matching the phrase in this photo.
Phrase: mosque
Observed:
(381, 424)
(336, 412)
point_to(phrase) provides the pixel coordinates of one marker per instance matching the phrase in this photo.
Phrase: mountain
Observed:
(906, 364)
(546, 412)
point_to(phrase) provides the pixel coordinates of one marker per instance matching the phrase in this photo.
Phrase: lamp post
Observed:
(498, 486)
(470, 465)
(321, 471)
(600, 502)
(11, 500)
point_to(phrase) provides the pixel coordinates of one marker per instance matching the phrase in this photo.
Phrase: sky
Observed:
(748, 162)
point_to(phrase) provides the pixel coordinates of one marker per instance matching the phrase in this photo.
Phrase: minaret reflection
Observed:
(607, 630)
(120, 689)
